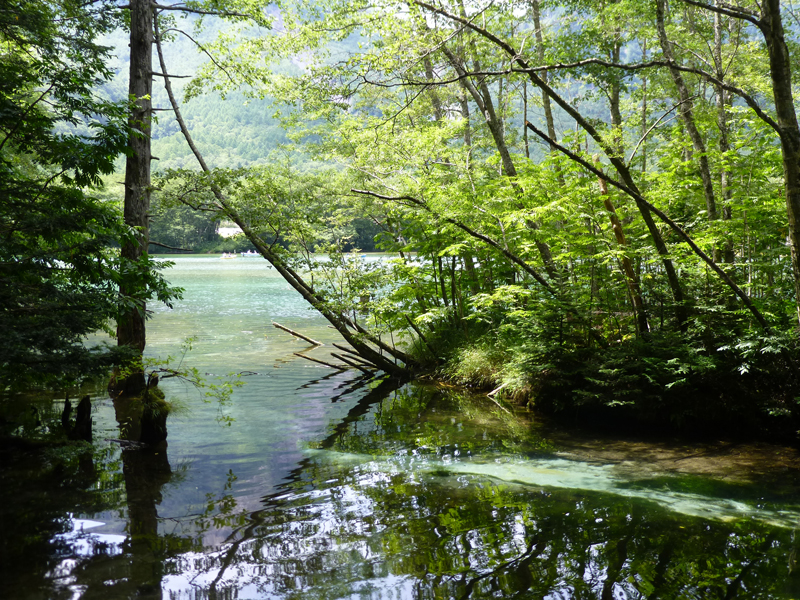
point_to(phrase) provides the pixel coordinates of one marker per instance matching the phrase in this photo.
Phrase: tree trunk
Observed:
(644, 111)
(546, 106)
(131, 330)
(724, 144)
(781, 74)
(614, 102)
(131, 327)
(627, 267)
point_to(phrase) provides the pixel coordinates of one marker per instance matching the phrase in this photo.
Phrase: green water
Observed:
(328, 486)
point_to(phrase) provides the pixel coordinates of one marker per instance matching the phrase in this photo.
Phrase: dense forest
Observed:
(593, 207)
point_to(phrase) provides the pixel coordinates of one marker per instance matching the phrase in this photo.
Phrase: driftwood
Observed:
(496, 390)
(296, 334)
(322, 362)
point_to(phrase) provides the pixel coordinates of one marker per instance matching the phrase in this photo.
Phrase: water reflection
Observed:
(330, 486)
(344, 526)
(416, 493)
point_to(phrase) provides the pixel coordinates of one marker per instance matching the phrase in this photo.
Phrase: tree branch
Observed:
(172, 76)
(160, 245)
(203, 50)
(736, 12)
(751, 102)
(653, 126)
(477, 235)
(197, 11)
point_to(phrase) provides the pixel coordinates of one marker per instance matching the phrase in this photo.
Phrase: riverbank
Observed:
(665, 385)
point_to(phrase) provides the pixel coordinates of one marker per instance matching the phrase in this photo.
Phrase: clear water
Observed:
(327, 486)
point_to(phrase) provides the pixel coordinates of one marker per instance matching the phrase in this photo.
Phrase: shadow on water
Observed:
(297, 476)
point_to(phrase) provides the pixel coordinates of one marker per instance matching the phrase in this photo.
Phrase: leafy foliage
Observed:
(59, 271)
(587, 232)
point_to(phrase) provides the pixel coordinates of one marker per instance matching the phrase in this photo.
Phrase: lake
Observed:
(329, 485)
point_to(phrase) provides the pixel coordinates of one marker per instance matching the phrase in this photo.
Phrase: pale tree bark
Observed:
(644, 111)
(546, 106)
(614, 98)
(435, 101)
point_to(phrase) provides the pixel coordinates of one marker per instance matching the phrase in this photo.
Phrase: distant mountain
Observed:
(233, 132)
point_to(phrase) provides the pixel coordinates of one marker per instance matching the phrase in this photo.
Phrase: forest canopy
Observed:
(590, 201)
(591, 204)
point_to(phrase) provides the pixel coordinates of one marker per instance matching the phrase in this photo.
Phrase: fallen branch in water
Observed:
(296, 334)
(496, 390)
(322, 362)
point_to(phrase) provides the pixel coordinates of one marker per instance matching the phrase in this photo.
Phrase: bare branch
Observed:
(656, 124)
(197, 11)
(750, 100)
(172, 76)
(203, 50)
(160, 245)
(736, 12)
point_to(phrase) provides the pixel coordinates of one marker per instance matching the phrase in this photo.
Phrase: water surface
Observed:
(330, 486)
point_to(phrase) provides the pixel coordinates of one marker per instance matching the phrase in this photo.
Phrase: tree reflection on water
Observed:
(377, 509)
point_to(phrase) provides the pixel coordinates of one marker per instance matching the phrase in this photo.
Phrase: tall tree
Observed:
(131, 331)
(131, 327)
(58, 270)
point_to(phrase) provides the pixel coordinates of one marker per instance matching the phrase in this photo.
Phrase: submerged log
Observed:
(296, 334)
(82, 430)
(322, 362)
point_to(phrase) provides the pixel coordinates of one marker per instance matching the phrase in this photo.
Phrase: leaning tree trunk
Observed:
(131, 326)
(368, 346)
